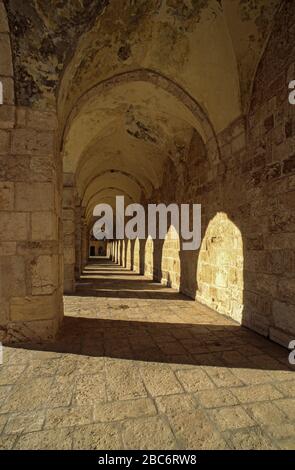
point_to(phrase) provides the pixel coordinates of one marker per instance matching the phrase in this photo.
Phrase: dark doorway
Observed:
(92, 251)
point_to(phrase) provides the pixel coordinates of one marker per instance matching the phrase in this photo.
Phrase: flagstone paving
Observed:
(139, 366)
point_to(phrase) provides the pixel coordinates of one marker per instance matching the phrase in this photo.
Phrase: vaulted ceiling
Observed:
(134, 80)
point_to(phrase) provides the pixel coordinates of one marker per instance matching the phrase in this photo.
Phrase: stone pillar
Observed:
(30, 258)
(84, 243)
(121, 252)
(128, 255)
(69, 232)
(109, 250)
(31, 306)
(31, 301)
(78, 242)
(87, 245)
(117, 252)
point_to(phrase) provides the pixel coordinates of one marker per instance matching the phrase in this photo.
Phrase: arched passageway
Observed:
(95, 108)
(149, 130)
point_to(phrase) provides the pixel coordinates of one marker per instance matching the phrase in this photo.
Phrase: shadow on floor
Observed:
(161, 332)
(116, 281)
(194, 344)
(143, 293)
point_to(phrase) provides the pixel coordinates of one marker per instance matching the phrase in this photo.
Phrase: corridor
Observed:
(140, 366)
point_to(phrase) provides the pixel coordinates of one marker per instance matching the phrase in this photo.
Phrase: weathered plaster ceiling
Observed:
(207, 46)
(44, 34)
(191, 46)
(116, 133)
(249, 24)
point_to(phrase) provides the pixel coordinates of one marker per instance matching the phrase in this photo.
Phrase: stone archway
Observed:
(186, 116)
(220, 270)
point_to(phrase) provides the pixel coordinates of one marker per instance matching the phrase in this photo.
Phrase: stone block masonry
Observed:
(30, 216)
(30, 249)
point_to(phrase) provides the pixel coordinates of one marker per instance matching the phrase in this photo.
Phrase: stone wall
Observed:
(269, 173)
(245, 267)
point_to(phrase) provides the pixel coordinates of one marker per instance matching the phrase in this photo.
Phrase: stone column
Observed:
(84, 243)
(117, 252)
(31, 301)
(128, 255)
(30, 209)
(30, 294)
(69, 232)
(109, 250)
(78, 241)
(87, 244)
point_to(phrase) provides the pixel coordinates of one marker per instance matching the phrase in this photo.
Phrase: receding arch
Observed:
(104, 192)
(200, 118)
(117, 176)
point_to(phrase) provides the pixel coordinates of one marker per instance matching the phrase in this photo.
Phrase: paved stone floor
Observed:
(139, 366)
